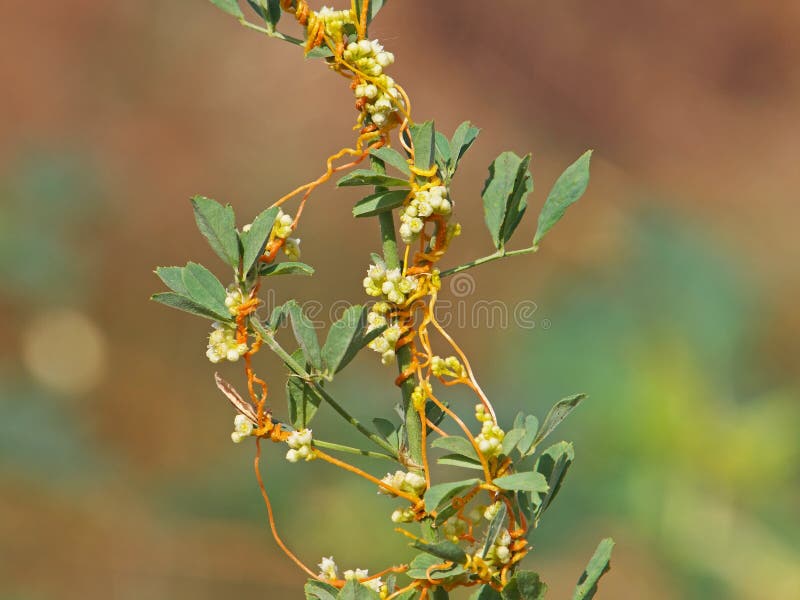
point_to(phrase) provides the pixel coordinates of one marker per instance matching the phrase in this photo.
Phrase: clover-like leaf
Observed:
(599, 565)
(217, 224)
(567, 190)
(504, 195)
(229, 6)
(379, 202)
(255, 239)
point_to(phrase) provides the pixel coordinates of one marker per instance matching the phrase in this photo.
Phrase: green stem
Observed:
(486, 259)
(269, 339)
(271, 32)
(351, 450)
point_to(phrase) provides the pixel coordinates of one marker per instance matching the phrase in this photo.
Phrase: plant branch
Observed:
(269, 339)
(486, 259)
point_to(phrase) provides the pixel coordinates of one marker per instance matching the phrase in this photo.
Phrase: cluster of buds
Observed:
(499, 553)
(490, 439)
(299, 443)
(378, 94)
(425, 203)
(385, 343)
(329, 571)
(450, 366)
(408, 482)
(234, 299)
(391, 284)
(242, 428)
(282, 226)
(362, 574)
(403, 515)
(334, 20)
(223, 345)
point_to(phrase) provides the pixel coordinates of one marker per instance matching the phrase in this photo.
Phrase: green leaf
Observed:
(443, 155)
(598, 565)
(463, 138)
(269, 10)
(407, 595)
(457, 460)
(558, 413)
(277, 317)
(372, 10)
(229, 6)
(568, 189)
(392, 157)
(421, 563)
(368, 177)
(205, 289)
(439, 593)
(525, 444)
(457, 445)
(553, 464)
(529, 481)
(423, 136)
(486, 592)
(504, 195)
(438, 494)
(388, 431)
(446, 550)
(254, 240)
(317, 590)
(305, 334)
(172, 278)
(379, 202)
(494, 528)
(302, 399)
(319, 52)
(217, 224)
(286, 268)
(511, 439)
(525, 585)
(353, 590)
(185, 304)
(344, 337)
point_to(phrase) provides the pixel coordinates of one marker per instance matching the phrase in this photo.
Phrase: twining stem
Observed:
(351, 450)
(269, 339)
(486, 259)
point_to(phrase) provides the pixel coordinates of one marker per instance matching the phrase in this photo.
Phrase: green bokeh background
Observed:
(668, 294)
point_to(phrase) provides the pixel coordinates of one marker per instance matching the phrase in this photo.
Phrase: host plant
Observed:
(472, 532)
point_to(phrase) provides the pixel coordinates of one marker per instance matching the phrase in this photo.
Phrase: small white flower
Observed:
(291, 248)
(328, 569)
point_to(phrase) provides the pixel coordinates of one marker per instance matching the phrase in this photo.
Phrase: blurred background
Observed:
(668, 293)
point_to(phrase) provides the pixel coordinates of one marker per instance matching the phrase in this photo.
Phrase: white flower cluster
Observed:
(403, 515)
(330, 572)
(222, 344)
(448, 366)
(409, 482)
(391, 284)
(300, 446)
(385, 343)
(234, 299)
(328, 569)
(373, 584)
(291, 248)
(424, 204)
(499, 553)
(242, 428)
(393, 287)
(334, 20)
(490, 439)
(282, 226)
(380, 93)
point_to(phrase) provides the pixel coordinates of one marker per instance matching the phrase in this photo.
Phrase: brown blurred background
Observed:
(668, 294)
